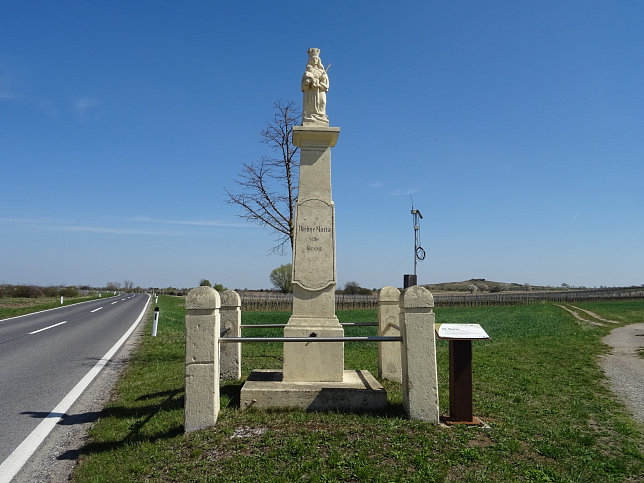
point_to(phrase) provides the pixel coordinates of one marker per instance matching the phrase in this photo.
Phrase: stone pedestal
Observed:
(389, 353)
(202, 362)
(314, 377)
(230, 321)
(419, 373)
(359, 391)
(314, 273)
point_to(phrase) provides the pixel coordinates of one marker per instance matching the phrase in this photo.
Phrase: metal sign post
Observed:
(419, 252)
(460, 337)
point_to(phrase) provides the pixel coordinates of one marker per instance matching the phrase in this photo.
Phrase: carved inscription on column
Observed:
(314, 260)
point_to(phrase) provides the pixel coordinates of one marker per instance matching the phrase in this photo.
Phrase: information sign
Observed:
(461, 331)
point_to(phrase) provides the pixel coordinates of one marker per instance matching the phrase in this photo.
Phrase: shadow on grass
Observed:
(142, 415)
(96, 448)
(232, 391)
(172, 400)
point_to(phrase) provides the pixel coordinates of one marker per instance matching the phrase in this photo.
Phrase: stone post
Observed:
(314, 272)
(420, 379)
(389, 353)
(202, 361)
(230, 354)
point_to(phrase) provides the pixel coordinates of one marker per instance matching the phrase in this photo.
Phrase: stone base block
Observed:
(202, 396)
(359, 391)
(310, 361)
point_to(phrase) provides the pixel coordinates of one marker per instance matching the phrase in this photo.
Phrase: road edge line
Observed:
(17, 459)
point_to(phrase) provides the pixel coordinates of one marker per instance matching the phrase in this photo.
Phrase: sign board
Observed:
(314, 250)
(461, 331)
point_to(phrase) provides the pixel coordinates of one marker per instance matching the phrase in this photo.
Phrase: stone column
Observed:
(202, 361)
(420, 378)
(389, 353)
(230, 354)
(314, 273)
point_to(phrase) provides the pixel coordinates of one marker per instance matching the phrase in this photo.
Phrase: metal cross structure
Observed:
(419, 252)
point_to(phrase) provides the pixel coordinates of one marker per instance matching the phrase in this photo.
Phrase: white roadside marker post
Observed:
(156, 321)
(61, 300)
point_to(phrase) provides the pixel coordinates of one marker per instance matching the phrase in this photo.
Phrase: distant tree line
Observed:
(353, 288)
(217, 286)
(34, 291)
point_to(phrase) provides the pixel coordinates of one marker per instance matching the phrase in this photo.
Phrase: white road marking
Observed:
(47, 310)
(96, 310)
(114, 302)
(16, 460)
(50, 327)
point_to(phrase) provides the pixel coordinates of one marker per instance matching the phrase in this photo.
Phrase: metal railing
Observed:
(311, 339)
(344, 324)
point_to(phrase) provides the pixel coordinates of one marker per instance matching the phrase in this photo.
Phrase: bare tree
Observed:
(113, 285)
(268, 187)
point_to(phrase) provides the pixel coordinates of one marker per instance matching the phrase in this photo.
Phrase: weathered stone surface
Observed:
(310, 361)
(389, 353)
(202, 396)
(312, 137)
(311, 305)
(314, 250)
(314, 270)
(230, 319)
(357, 391)
(203, 298)
(417, 297)
(315, 161)
(200, 338)
(419, 374)
(201, 361)
(230, 298)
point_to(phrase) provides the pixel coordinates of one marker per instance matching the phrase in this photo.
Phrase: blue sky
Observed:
(517, 128)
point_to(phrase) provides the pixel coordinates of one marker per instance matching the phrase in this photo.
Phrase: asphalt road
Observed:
(43, 356)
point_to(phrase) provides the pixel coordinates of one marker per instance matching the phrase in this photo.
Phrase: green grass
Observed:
(13, 307)
(536, 383)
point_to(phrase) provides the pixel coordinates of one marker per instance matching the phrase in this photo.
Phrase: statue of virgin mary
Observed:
(315, 84)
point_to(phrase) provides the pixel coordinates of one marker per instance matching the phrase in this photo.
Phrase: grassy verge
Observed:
(13, 307)
(536, 383)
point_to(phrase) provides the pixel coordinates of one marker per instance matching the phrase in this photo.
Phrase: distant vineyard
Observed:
(284, 301)
(513, 298)
(280, 301)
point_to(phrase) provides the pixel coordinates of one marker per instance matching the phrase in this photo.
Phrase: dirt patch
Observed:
(624, 368)
(577, 316)
(595, 316)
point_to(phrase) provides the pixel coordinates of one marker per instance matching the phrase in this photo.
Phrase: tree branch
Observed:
(267, 188)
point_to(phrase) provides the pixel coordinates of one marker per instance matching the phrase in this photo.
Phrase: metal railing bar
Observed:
(310, 339)
(266, 326)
